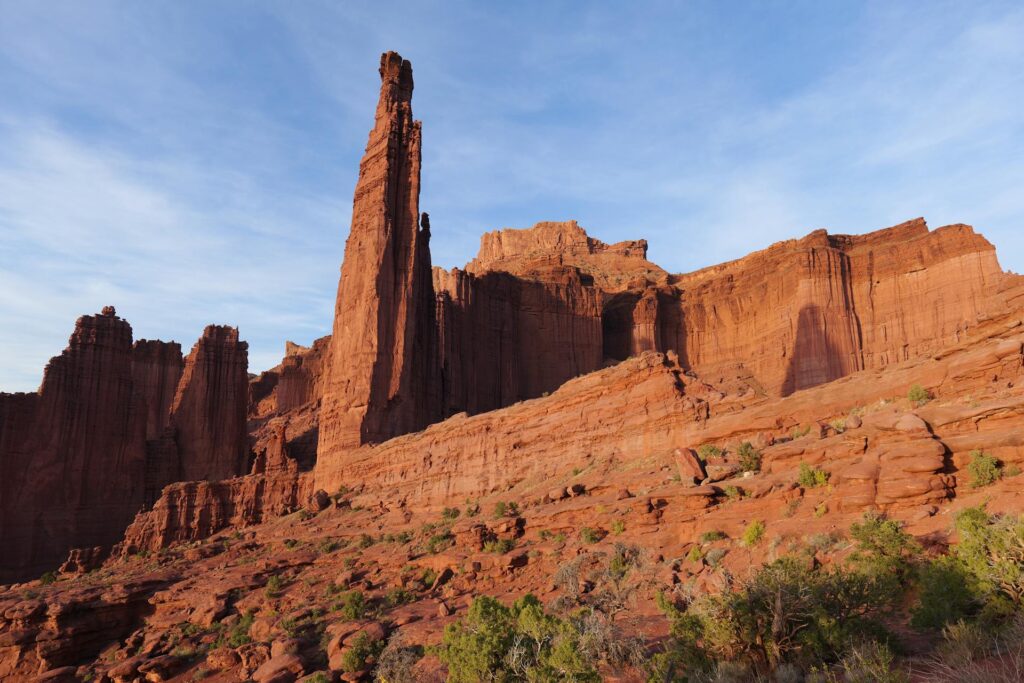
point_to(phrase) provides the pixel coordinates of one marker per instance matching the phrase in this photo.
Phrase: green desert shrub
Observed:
(944, 594)
(506, 509)
(439, 542)
(886, 556)
(707, 451)
(352, 605)
(810, 477)
(361, 653)
(499, 546)
(918, 395)
(991, 551)
(494, 642)
(753, 534)
(750, 457)
(984, 469)
(789, 611)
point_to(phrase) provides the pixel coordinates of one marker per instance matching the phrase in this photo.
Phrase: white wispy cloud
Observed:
(195, 163)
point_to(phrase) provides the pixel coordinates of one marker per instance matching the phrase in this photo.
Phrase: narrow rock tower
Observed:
(381, 364)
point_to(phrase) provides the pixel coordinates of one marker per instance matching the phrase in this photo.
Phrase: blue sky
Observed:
(193, 162)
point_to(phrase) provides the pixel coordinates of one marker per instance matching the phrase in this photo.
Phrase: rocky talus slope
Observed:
(502, 429)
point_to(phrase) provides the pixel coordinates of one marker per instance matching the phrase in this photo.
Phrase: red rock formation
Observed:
(503, 339)
(74, 456)
(296, 381)
(156, 371)
(635, 409)
(380, 377)
(795, 315)
(197, 509)
(548, 246)
(808, 311)
(209, 409)
(111, 425)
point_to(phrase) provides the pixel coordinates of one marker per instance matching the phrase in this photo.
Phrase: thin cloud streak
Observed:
(195, 164)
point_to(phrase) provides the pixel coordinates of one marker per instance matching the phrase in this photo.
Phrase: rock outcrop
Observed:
(795, 315)
(550, 246)
(380, 380)
(209, 410)
(113, 423)
(74, 455)
(637, 407)
(192, 510)
(503, 339)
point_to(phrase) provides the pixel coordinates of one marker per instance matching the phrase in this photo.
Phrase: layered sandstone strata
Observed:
(503, 339)
(380, 378)
(547, 246)
(209, 410)
(74, 454)
(795, 315)
(113, 423)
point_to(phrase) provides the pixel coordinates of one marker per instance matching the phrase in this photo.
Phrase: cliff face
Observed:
(74, 456)
(637, 407)
(111, 425)
(156, 371)
(805, 312)
(503, 339)
(547, 246)
(209, 410)
(796, 315)
(296, 381)
(380, 379)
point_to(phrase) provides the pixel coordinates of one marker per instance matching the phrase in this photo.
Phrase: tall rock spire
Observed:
(381, 362)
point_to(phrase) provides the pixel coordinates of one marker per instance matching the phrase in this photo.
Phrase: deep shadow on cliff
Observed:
(814, 359)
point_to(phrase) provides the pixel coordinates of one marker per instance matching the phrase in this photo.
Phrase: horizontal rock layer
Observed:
(112, 423)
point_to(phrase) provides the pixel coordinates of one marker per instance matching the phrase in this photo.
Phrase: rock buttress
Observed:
(209, 411)
(73, 455)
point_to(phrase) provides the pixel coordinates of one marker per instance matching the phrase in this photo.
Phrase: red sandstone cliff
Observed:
(74, 456)
(795, 315)
(547, 246)
(503, 339)
(209, 409)
(110, 426)
(380, 379)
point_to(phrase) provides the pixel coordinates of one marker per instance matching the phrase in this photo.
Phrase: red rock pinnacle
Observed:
(381, 357)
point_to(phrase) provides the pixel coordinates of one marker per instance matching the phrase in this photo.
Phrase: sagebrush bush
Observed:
(811, 478)
(522, 642)
(984, 469)
(707, 451)
(750, 457)
(753, 534)
(918, 395)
